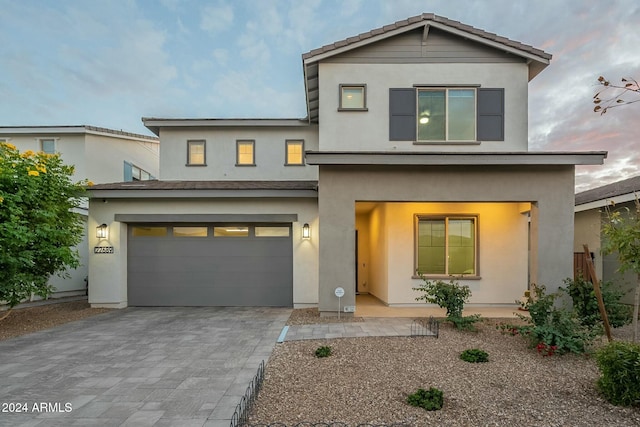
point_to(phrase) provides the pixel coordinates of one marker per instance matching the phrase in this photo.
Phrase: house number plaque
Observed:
(103, 250)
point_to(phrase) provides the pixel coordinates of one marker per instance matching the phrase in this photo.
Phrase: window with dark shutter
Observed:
(490, 114)
(402, 114)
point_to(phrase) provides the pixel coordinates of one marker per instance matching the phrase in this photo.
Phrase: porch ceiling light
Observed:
(101, 231)
(306, 231)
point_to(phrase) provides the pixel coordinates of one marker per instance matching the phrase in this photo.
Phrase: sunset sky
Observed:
(109, 63)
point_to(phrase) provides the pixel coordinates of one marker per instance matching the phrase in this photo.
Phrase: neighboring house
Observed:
(415, 159)
(589, 216)
(98, 155)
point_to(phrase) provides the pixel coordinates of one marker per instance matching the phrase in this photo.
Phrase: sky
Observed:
(110, 63)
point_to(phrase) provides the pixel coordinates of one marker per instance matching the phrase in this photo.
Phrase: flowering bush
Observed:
(553, 330)
(38, 227)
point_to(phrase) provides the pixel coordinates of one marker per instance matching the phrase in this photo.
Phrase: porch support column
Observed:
(337, 245)
(552, 219)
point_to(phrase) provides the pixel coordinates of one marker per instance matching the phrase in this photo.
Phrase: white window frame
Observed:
(447, 115)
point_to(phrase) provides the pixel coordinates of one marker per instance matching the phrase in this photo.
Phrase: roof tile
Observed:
(207, 185)
(428, 17)
(626, 186)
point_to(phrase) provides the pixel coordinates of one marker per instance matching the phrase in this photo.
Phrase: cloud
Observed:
(216, 19)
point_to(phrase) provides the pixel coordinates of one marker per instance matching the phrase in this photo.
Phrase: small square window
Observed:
(245, 153)
(353, 97)
(294, 154)
(196, 153)
(48, 145)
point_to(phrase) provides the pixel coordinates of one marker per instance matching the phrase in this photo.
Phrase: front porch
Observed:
(369, 306)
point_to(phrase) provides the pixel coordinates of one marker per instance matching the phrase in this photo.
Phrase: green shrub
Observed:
(552, 329)
(452, 296)
(466, 323)
(323, 351)
(430, 400)
(586, 305)
(474, 355)
(619, 364)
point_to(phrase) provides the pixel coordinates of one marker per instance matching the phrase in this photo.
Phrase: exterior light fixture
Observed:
(101, 231)
(306, 231)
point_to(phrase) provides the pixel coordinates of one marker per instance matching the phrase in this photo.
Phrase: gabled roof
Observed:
(621, 191)
(536, 58)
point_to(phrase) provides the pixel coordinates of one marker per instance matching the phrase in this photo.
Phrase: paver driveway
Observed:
(137, 367)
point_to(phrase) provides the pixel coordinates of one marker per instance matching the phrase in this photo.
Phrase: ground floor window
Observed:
(446, 245)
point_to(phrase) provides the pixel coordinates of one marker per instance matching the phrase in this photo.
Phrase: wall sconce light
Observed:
(101, 231)
(306, 231)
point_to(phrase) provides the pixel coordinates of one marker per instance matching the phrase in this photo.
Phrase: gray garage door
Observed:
(210, 265)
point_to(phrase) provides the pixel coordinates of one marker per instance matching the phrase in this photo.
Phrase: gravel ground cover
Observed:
(23, 321)
(367, 380)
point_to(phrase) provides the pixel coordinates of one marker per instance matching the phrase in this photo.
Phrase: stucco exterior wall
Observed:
(369, 130)
(550, 188)
(105, 157)
(71, 148)
(108, 272)
(221, 153)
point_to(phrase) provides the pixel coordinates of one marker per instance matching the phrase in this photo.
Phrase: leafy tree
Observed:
(38, 228)
(614, 94)
(622, 237)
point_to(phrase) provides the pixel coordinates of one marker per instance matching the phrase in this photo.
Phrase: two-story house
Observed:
(98, 155)
(413, 158)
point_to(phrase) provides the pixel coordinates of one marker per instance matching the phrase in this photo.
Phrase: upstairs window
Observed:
(294, 154)
(353, 97)
(196, 153)
(48, 145)
(446, 115)
(245, 153)
(446, 245)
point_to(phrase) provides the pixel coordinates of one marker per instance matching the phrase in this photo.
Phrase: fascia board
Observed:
(351, 158)
(601, 203)
(200, 194)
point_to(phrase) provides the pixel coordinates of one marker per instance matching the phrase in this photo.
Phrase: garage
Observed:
(220, 264)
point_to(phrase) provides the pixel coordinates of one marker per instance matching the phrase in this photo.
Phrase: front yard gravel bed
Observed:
(367, 380)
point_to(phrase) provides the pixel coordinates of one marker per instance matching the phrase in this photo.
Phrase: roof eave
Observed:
(454, 158)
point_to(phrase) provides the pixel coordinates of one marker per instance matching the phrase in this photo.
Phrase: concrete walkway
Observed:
(369, 327)
(137, 367)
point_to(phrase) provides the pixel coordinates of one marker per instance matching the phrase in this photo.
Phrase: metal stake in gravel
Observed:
(339, 293)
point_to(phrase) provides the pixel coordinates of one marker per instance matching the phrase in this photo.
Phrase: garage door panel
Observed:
(210, 271)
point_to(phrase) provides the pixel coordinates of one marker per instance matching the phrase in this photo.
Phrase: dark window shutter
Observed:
(128, 173)
(490, 114)
(402, 115)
